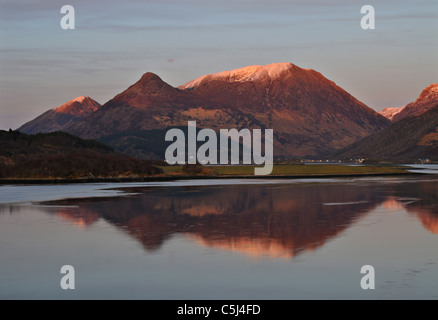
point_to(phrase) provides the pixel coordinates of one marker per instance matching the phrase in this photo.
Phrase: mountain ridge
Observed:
(60, 117)
(425, 101)
(309, 113)
(411, 138)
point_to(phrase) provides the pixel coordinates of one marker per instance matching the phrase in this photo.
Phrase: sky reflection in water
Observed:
(287, 236)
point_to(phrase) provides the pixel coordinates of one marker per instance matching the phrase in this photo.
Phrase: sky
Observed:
(43, 66)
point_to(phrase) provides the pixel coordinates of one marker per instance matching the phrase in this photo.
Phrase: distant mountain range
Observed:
(412, 136)
(426, 101)
(311, 115)
(390, 112)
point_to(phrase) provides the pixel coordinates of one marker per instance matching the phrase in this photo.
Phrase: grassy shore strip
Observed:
(316, 170)
(288, 170)
(239, 172)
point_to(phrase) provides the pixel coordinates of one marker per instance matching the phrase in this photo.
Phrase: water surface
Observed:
(222, 239)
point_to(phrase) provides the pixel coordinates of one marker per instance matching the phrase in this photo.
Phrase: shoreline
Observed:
(198, 177)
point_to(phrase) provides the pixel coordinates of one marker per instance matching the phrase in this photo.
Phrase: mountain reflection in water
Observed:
(273, 220)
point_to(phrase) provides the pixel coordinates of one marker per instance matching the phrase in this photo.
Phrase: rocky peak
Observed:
(80, 106)
(426, 101)
(430, 92)
(390, 113)
(254, 73)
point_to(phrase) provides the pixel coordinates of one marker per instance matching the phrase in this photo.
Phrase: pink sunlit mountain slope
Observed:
(426, 101)
(310, 114)
(412, 136)
(59, 118)
(390, 113)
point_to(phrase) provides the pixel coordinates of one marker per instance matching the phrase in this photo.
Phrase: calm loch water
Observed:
(222, 239)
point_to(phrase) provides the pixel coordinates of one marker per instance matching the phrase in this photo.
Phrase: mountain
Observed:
(59, 118)
(310, 114)
(390, 113)
(61, 155)
(426, 101)
(412, 138)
